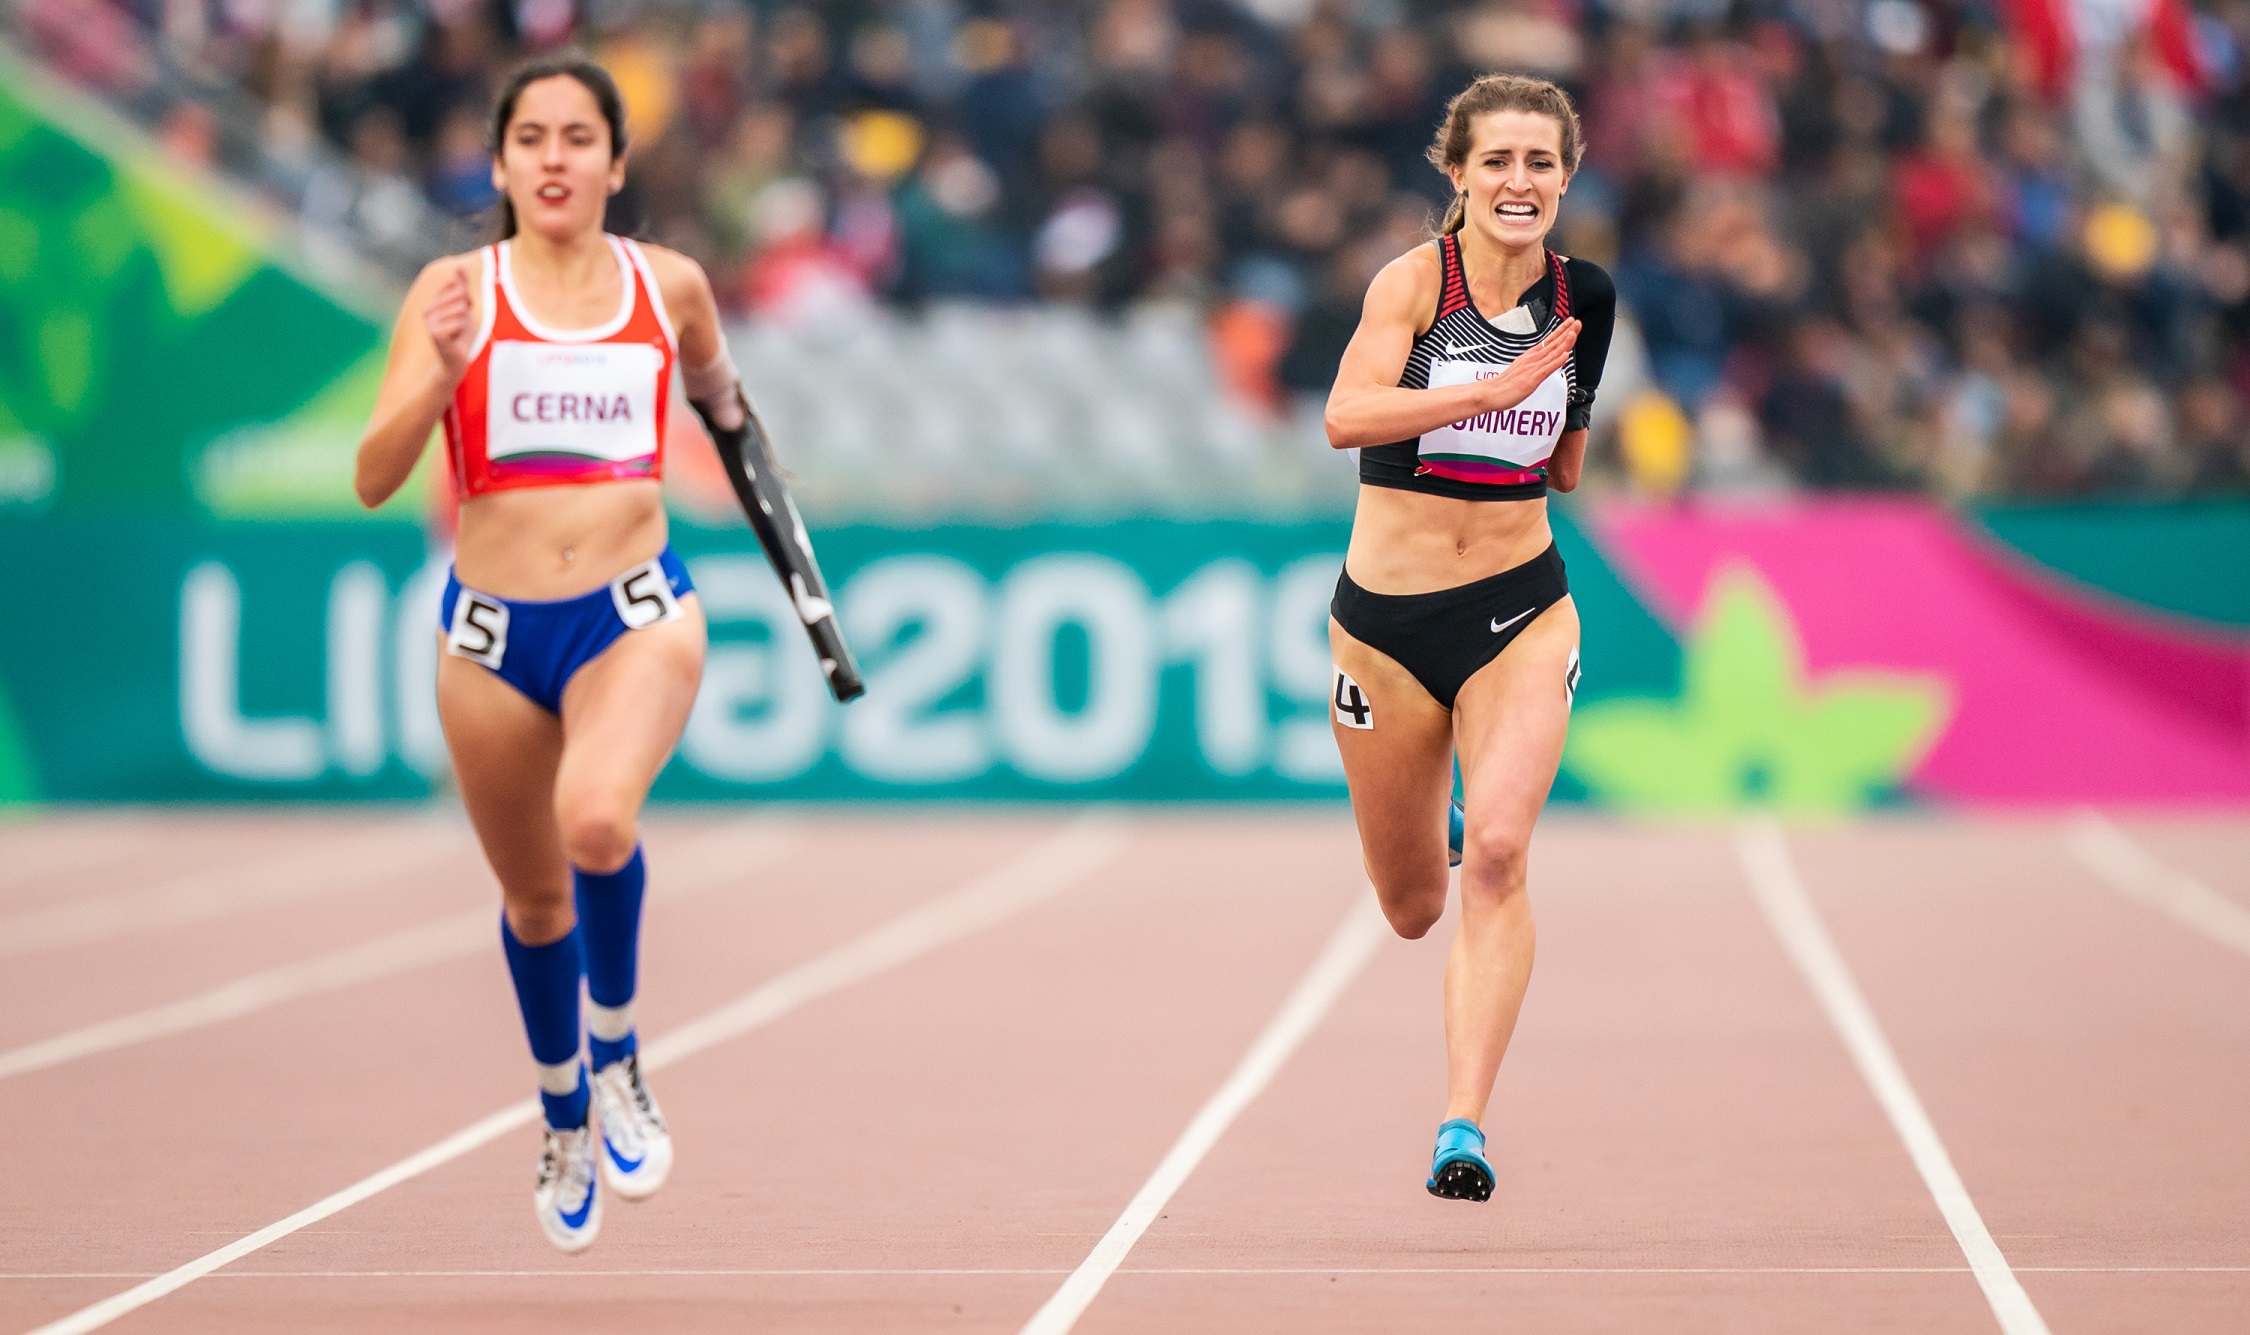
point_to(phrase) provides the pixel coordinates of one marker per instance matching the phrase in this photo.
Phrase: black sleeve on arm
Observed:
(1593, 300)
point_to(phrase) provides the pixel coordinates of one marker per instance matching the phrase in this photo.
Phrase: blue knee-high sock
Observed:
(609, 917)
(547, 989)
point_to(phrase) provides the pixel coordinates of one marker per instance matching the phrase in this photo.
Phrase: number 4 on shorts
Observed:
(1352, 708)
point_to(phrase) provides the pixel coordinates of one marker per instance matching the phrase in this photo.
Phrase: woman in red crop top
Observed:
(572, 641)
(1466, 390)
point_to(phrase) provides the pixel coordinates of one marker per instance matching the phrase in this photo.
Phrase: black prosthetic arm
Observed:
(781, 531)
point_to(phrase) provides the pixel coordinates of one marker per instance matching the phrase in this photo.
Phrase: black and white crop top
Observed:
(1499, 456)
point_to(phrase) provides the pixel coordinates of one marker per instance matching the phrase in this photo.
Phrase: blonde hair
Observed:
(1499, 92)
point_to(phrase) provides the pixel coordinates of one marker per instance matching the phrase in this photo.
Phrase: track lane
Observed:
(975, 1121)
(989, 1107)
(436, 873)
(428, 870)
(1675, 1113)
(717, 855)
(58, 859)
(2085, 1058)
(2208, 847)
(241, 1123)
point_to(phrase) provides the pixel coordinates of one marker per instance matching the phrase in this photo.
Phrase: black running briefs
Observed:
(1442, 638)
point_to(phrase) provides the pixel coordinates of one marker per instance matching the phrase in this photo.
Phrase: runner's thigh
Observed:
(623, 712)
(1510, 721)
(1397, 745)
(505, 752)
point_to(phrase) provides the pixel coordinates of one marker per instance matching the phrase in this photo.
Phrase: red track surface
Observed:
(1682, 1140)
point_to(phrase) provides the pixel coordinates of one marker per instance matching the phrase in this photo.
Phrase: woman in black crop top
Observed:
(1467, 390)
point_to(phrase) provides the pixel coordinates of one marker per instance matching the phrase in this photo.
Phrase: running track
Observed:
(1144, 1071)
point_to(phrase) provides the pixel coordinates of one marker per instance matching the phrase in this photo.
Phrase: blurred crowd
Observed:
(1985, 247)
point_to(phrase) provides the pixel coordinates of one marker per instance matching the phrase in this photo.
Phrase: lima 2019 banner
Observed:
(195, 611)
(1813, 657)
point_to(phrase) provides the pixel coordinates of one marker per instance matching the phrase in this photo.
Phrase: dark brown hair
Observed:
(559, 65)
(1500, 92)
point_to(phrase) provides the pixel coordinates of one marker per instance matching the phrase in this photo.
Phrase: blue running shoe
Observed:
(1456, 833)
(636, 1145)
(1458, 1171)
(568, 1203)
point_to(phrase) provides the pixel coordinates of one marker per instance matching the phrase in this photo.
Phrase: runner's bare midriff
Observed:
(1411, 542)
(542, 543)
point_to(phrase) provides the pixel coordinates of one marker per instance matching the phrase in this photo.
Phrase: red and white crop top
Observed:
(541, 407)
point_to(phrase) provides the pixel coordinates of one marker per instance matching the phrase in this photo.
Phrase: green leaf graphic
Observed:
(19, 245)
(102, 239)
(202, 256)
(1748, 729)
(66, 356)
(141, 319)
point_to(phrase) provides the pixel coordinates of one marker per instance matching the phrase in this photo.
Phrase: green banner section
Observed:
(154, 350)
(165, 658)
(2189, 558)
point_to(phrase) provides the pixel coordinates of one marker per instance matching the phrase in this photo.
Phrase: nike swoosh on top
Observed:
(1498, 625)
(1456, 349)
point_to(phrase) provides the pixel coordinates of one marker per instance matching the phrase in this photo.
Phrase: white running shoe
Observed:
(636, 1145)
(565, 1199)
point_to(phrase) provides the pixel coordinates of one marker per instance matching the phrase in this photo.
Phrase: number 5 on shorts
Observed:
(480, 630)
(643, 596)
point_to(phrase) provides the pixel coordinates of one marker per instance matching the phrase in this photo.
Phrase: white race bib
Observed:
(479, 631)
(1353, 709)
(575, 400)
(643, 596)
(1519, 437)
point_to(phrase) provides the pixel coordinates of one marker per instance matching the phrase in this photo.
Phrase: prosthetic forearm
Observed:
(717, 397)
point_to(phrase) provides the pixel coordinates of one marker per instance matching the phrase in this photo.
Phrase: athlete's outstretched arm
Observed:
(429, 353)
(1366, 405)
(714, 390)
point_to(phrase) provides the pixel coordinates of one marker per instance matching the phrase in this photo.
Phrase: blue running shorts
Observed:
(538, 647)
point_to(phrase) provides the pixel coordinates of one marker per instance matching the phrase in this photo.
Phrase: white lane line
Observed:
(1251, 1271)
(433, 942)
(1773, 879)
(355, 859)
(2138, 875)
(1045, 869)
(1347, 951)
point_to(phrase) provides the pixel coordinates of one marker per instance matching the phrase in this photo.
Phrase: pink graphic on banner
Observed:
(2061, 694)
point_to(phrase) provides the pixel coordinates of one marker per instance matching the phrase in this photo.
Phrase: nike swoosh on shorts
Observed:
(1498, 625)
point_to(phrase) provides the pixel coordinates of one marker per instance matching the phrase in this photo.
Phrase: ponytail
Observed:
(1456, 213)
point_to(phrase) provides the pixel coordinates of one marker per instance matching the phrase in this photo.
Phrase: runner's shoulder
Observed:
(435, 274)
(1591, 287)
(469, 263)
(1408, 284)
(680, 278)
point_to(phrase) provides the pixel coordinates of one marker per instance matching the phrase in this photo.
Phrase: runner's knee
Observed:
(1413, 923)
(1494, 857)
(539, 918)
(598, 831)
(1412, 903)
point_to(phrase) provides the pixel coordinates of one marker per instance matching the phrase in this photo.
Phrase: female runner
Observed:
(1467, 390)
(572, 643)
